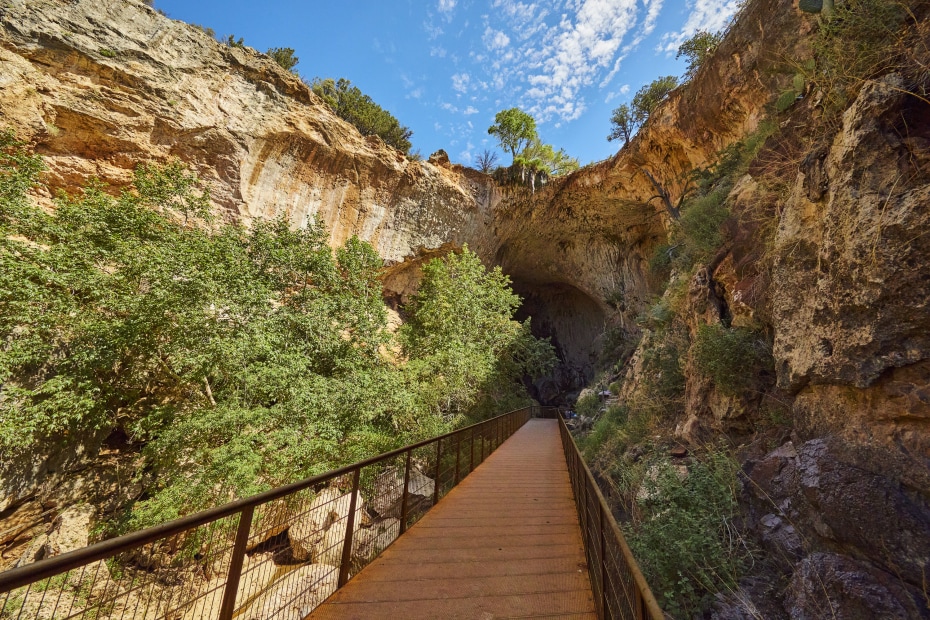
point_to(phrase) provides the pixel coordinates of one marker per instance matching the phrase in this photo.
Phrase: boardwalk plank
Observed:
(505, 543)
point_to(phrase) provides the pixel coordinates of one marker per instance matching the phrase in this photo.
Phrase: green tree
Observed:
(650, 96)
(351, 104)
(544, 157)
(697, 49)
(462, 336)
(231, 41)
(284, 56)
(623, 124)
(515, 130)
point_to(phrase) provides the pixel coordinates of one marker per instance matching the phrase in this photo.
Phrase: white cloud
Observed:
(470, 110)
(495, 39)
(437, 51)
(460, 82)
(709, 15)
(623, 90)
(547, 54)
(445, 6)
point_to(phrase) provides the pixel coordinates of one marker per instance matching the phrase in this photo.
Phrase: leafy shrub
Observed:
(698, 49)
(662, 366)
(285, 57)
(684, 538)
(588, 405)
(351, 104)
(701, 220)
(730, 357)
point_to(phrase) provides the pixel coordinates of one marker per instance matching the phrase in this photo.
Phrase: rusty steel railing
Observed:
(280, 552)
(620, 590)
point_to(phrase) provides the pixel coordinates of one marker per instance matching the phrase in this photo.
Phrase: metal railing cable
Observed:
(620, 589)
(282, 551)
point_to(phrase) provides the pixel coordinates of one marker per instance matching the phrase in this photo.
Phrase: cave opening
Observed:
(574, 322)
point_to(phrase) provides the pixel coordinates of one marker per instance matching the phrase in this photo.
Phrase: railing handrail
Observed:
(30, 573)
(648, 599)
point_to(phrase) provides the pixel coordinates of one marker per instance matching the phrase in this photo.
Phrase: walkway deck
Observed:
(505, 543)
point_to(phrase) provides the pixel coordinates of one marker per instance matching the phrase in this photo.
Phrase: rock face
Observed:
(99, 87)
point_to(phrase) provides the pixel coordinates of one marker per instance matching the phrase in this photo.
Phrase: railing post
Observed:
(403, 502)
(600, 527)
(438, 465)
(350, 528)
(484, 436)
(458, 456)
(235, 564)
(471, 452)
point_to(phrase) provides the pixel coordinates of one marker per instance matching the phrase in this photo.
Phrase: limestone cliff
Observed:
(99, 87)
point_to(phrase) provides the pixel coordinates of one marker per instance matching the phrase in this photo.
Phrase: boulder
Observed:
(371, 541)
(387, 496)
(328, 510)
(829, 585)
(822, 490)
(295, 595)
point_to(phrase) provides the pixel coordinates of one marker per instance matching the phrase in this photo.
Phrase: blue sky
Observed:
(445, 67)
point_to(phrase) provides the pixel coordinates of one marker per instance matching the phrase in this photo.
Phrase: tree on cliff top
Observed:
(697, 49)
(515, 130)
(284, 56)
(627, 118)
(351, 104)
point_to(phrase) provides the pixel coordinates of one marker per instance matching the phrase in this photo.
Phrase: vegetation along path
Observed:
(504, 543)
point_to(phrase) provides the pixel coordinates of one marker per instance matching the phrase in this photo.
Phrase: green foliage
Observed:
(210, 32)
(369, 118)
(731, 357)
(107, 52)
(462, 337)
(698, 49)
(700, 223)
(685, 539)
(241, 359)
(588, 405)
(665, 379)
(285, 57)
(623, 123)
(515, 130)
(861, 40)
(544, 158)
(650, 96)
(231, 41)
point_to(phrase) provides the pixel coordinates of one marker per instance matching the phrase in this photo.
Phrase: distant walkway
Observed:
(504, 543)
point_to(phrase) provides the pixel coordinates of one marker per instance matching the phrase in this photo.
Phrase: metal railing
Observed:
(280, 552)
(620, 590)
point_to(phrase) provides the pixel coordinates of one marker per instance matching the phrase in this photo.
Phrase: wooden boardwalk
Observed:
(505, 543)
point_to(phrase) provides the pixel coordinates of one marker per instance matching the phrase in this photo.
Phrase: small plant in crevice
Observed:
(732, 358)
(683, 533)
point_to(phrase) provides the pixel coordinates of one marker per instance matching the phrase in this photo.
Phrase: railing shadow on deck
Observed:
(279, 553)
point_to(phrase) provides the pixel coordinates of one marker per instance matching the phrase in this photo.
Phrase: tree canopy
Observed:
(697, 49)
(284, 56)
(369, 118)
(515, 130)
(545, 158)
(240, 359)
(626, 119)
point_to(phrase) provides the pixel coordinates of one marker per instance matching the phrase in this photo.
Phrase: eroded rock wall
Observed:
(98, 86)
